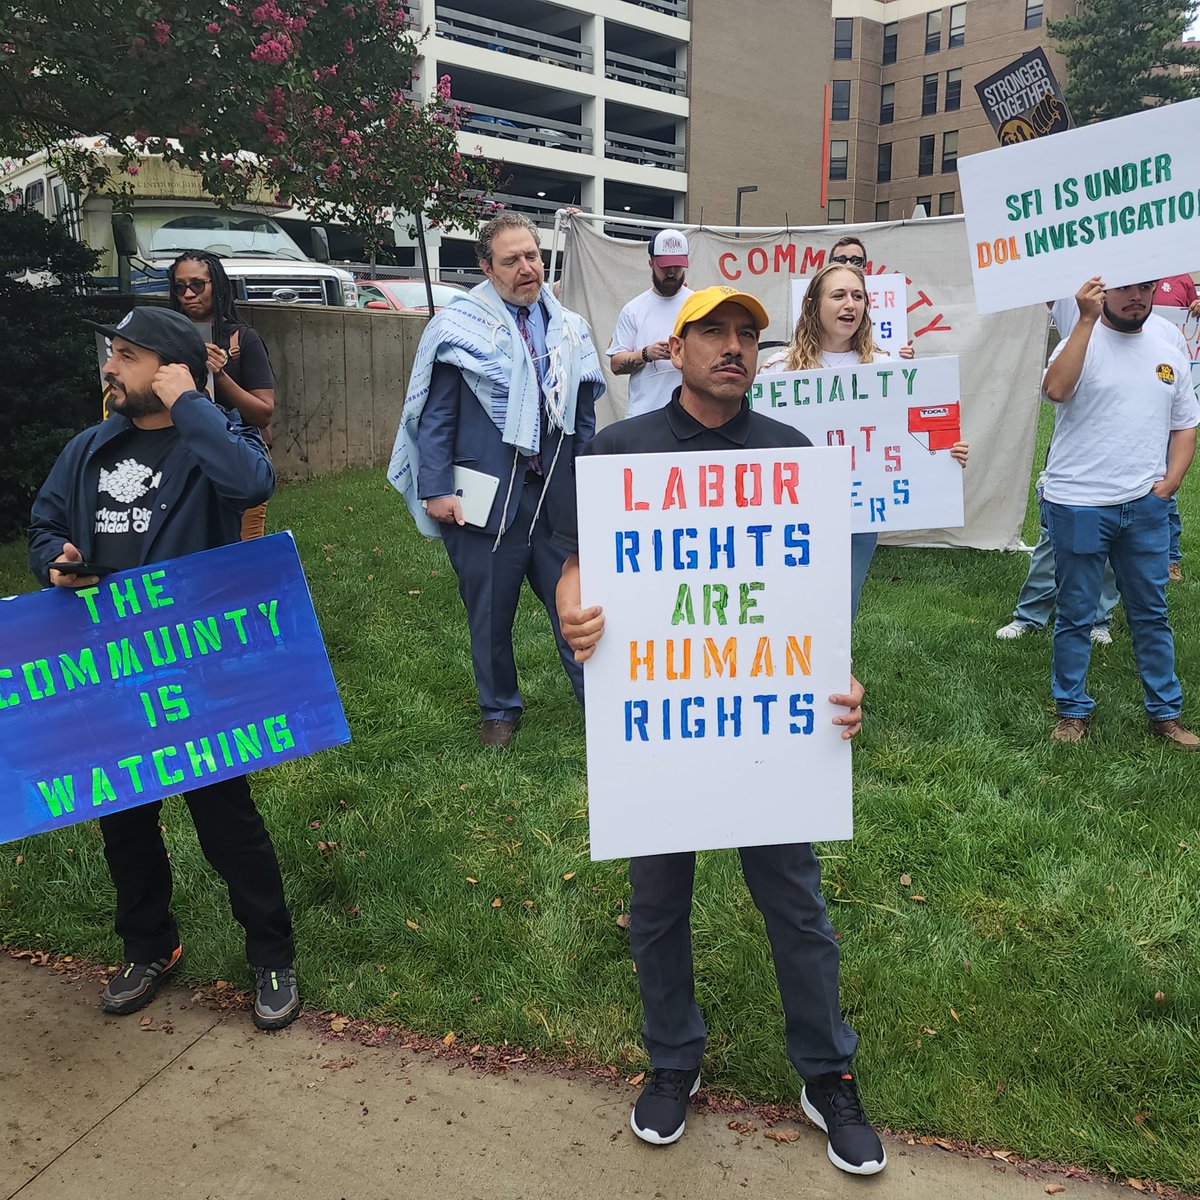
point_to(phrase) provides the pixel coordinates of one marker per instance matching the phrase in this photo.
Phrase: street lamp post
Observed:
(737, 208)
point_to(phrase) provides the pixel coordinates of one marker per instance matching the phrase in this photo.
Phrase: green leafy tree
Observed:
(310, 100)
(1126, 55)
(51, 389)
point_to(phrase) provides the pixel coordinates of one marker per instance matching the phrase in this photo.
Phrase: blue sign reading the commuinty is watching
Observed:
(159, 680)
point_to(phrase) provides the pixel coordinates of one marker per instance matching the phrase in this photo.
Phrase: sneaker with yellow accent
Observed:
(134, 985)
(276, 997)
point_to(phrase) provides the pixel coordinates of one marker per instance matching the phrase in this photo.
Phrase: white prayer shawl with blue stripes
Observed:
(478, 336)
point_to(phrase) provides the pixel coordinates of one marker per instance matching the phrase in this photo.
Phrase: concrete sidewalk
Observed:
(195, 1103)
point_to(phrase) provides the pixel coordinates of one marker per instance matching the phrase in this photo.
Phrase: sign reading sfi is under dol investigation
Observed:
(1119, 199)
(723, 579)
(159, 680)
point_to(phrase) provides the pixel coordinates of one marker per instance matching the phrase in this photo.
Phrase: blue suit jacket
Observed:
(456, 430)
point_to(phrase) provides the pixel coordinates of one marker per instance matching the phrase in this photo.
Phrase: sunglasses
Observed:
(848, 260)
(196, 286)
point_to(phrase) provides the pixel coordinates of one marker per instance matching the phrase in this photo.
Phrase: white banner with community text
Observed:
(899, 419)
(723, 579)
(1120, 199)
(1001, 356)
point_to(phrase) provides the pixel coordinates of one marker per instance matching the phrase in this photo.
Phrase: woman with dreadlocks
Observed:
(237, 358)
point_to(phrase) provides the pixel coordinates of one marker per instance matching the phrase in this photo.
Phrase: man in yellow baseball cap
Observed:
(715, 347)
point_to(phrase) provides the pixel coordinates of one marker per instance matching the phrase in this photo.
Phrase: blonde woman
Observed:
(834, 329)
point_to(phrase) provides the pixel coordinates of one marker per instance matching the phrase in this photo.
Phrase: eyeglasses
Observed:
(196, 286)
(848, 260)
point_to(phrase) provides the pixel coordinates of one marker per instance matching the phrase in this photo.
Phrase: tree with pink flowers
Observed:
(310, 99)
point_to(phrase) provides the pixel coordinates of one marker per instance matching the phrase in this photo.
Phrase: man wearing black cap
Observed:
(715, 347)
(639, 343)
(169, 473)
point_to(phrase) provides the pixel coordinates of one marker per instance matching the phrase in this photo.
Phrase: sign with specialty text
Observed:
(1023, 100)
(899, 418)
(1120, 199)
(889, 309)
(723, 580)
(159, 680)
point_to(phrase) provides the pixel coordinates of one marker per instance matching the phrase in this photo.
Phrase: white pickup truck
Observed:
(170, 214)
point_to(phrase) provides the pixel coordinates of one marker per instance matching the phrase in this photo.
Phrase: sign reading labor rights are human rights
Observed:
(899, 418)
(723, 579)
(1120, 199)
(159, 680)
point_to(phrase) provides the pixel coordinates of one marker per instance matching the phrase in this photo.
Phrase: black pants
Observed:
(785, 883)
(234, 840)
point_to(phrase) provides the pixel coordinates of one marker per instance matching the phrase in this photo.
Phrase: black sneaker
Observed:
(134, 985)
(276, 997)
(831, 1103)
(658, 1116)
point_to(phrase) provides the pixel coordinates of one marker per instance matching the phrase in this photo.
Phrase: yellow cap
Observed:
(700, 304)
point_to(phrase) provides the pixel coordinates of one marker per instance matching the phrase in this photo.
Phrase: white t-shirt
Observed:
(1110, 436)
(1065, 315)
(646, 319)
(776, 364)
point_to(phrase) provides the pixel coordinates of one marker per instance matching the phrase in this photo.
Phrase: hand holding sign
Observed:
(1090, 299)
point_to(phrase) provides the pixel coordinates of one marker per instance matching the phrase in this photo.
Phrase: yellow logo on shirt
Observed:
(1165, 372)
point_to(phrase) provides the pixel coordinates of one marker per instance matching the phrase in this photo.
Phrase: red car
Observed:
(405, 295)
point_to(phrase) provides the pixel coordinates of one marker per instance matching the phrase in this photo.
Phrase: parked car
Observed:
(405, 295)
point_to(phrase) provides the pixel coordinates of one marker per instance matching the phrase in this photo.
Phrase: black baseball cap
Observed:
(170, 334)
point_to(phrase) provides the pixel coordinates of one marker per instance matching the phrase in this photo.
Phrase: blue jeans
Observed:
(1175, 554)
(1036, 599)
(1135, 537)
(862, 547)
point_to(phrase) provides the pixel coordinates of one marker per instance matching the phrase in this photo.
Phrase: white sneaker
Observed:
(1014, 629)
(1101, 635)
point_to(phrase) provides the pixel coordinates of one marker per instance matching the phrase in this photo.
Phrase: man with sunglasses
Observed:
(1124, 437)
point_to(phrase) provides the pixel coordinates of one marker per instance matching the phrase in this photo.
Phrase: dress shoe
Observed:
(497, 733)
(1069, 729)
(1176, 734)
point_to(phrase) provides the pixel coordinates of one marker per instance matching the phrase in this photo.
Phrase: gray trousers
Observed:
(785, 883)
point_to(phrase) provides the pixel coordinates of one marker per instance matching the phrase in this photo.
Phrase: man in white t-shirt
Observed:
(639, 346)
(1124, 437)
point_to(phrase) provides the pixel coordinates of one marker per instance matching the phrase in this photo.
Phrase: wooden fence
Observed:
(340, 378)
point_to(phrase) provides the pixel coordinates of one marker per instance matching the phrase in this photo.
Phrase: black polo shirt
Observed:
(674, 428)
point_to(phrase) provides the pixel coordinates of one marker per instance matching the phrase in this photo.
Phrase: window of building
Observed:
(946, 204)
(954, 89)
(891, 36)
(881, 210)
(1033, 15)
(835, 212)
(925, 202)
(958, 25)
(839, 157)
(933, 32)
(887, 104)
(843, 37)
(929, 95)
(925, 156)
(883, 166)
(35, 196)
(839, 107)
(950, 150)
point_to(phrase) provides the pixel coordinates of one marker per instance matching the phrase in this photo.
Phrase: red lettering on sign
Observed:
(723, 265)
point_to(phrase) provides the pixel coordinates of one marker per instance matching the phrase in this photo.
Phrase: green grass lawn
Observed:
(1043, 996)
